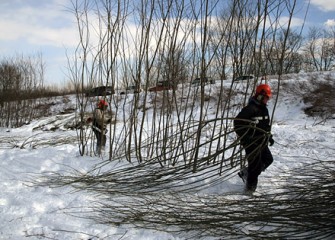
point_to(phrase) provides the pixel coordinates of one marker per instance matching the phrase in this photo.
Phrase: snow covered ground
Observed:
(35, 212)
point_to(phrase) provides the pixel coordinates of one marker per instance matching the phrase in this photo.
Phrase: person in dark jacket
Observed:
(99, 125)
(252, 126)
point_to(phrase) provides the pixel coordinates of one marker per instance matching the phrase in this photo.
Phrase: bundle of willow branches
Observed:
(303, 209)
(155, 196)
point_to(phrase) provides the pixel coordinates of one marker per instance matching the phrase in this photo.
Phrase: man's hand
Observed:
(271, 141)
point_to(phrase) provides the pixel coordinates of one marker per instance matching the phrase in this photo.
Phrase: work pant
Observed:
(101, 139)
(259, 158)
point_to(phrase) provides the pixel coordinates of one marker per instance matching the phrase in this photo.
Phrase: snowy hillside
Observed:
(48, 146)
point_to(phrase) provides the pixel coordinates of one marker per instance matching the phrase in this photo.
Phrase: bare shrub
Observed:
(321, 101)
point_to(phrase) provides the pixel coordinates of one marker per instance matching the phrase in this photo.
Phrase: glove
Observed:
(271, 141)
(89, 120)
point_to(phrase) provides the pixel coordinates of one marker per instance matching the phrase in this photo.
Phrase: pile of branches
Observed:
(304, 209)
(175, 169)
(37, 140)
(155, 196)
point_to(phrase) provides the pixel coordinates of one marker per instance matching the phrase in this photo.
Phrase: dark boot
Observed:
(250, 188)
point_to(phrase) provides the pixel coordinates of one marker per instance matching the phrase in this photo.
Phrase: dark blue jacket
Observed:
(257, 116)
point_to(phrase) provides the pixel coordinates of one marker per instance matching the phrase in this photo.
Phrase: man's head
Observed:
(263, 93)
(102, 104)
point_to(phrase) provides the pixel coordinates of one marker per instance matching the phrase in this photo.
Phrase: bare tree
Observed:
(319, 51)
(292, 62)
(21, 84)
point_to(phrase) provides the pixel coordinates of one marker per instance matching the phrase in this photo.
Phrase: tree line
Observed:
(23, 90)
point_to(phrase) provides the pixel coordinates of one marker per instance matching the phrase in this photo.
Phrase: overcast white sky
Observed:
(29, 27)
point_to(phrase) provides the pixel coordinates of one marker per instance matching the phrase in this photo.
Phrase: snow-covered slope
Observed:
(35, 212)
